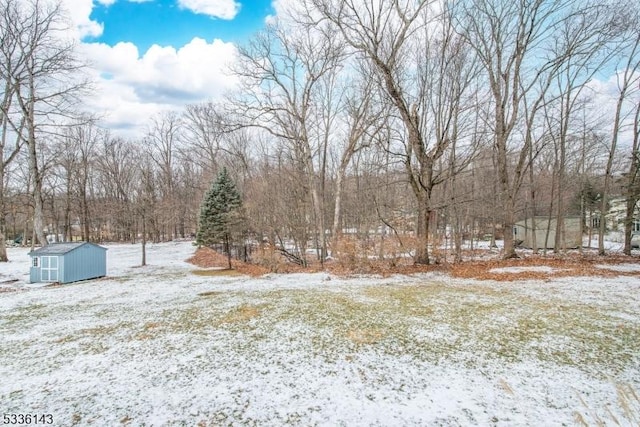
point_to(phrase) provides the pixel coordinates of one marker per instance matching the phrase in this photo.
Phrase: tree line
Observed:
(385, 128)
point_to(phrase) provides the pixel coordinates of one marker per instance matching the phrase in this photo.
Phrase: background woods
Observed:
(358, 130)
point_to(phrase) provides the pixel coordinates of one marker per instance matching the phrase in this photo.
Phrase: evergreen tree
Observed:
(220, 214)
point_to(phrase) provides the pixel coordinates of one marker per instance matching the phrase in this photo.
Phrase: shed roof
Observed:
(61, 248)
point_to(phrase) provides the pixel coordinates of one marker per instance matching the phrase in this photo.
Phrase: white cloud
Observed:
(79, 12)
(223, 9)
(130, 88)
(282, 9)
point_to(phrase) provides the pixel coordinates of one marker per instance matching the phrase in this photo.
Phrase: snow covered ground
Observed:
(159, 345)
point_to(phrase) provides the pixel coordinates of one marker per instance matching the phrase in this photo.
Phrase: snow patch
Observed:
(624, 268)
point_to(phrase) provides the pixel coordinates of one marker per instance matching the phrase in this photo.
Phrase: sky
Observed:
(150, 56)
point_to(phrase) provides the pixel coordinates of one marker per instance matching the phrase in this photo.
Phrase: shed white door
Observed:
(49, 268)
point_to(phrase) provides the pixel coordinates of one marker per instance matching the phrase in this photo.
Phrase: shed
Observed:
(523, 232)
(68, 262)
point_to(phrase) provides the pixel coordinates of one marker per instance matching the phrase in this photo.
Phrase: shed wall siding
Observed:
(573, 238)
(86, 262)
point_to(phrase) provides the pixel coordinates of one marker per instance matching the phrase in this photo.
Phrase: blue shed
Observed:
(68, 262)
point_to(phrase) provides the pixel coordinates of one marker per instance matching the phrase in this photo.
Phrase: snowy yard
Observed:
(160, 345)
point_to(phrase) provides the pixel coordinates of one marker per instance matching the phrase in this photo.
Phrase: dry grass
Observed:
(241, 314)
(629, 402)
(217, 273)
(353, 258)
(100, 331)
(567, 266)
(208, 258)
(506, 387)
(364, 336)
(210, 294)
(624, 412)
(149, 331)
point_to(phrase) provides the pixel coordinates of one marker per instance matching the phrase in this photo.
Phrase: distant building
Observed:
(523, 232)
(617, 213)
(68, 262)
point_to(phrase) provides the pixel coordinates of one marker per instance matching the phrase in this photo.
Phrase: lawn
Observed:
(168, 344)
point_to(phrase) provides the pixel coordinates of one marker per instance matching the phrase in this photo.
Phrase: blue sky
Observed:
(147, 57)
(165, 23)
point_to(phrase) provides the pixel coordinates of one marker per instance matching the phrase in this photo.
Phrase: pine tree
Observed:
(220, 214)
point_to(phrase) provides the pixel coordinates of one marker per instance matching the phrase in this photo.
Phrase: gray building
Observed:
(68, 262)
(523, 232)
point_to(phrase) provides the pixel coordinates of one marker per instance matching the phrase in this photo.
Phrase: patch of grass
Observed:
(30, 313)
(101, 330)
(242, 314)
(430, 322)
(466, 324)
(123, 279)
(364, 336)
(217, 273)
(66, 339)
(210, 293)
(149, 331)
(205, 315)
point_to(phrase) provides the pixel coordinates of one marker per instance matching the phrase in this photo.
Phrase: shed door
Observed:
(49, 268)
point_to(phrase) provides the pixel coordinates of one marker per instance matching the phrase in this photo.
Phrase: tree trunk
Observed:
(422, 249)
(144, 240)
(628, 223)
(550, 216)
(337, 210)
(508, 224)
(28, 109)
(85, 217)
(608, 176)
(3, 246)
(227, 246)
(507, 199)
(559, 243)
(67, 210)
(319, 223)
(38, 211)
(633, 186)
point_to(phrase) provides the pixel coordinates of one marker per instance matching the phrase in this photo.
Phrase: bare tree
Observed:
(411, 49)
(513, 40)
(8, 153)
(633, 183)
(204, 131)
(627, 82)
(362, 115)
(582, 48)
(162, 142)
(281, 71)
(44, 81)
(144, 198)
(10, 144)
(116, 182)
(75, 157)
